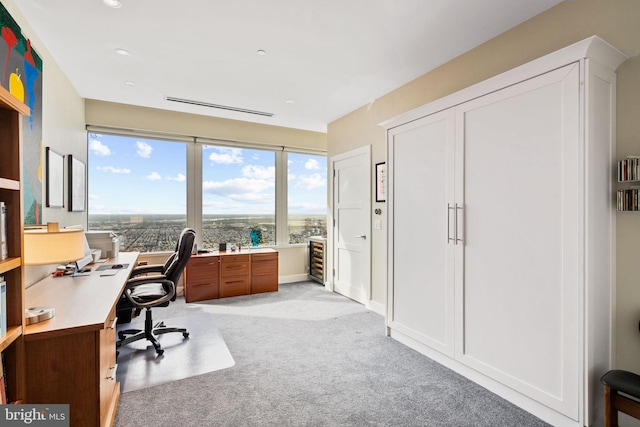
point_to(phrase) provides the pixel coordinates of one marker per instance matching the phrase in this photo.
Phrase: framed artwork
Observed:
(381, 182)
(77, 184)
(54, 164)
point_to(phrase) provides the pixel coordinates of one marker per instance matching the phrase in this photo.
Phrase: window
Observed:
(238, 192)
(307, 196)
(137, 189)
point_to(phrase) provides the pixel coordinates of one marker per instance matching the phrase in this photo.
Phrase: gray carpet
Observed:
(203, 351)
(308, 357)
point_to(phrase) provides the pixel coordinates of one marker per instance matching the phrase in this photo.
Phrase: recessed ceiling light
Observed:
(112, 3)
(261, 52)
(123, 52)
(289, 101)
(130, 83)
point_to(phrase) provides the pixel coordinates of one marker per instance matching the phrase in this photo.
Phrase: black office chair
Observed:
(155, 286)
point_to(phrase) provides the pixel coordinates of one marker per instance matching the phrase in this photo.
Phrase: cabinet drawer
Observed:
(228, 269)
(201, 292)
(234, 286)
(264, 283)
(202, 270)
(262, 264)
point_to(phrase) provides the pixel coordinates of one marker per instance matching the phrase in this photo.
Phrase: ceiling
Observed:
(323, 58)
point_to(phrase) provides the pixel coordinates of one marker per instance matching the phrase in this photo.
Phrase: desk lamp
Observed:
(50, 246)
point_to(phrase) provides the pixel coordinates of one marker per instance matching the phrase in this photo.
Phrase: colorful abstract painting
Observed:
(22, 76)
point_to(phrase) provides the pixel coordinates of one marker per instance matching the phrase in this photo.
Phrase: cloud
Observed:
(241, 189)
(226, 156)
(154, 176)
(180, 178)
(312, 164)
(112, 169)
(144, 149)
(98, 148)
(259, 172)
(308, 182)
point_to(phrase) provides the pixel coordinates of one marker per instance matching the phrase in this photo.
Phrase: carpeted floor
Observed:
(308, 357)
(203, 351)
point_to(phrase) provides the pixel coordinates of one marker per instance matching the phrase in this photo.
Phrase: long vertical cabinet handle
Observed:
(458, 208)
(449, 238)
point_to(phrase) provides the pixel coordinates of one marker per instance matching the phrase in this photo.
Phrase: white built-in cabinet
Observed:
(501, 221)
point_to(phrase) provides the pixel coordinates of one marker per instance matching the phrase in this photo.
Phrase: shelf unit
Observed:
(627, 199)
(12, 343)
(317, 250)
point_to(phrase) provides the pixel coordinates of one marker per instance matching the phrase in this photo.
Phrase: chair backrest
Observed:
(178, 261)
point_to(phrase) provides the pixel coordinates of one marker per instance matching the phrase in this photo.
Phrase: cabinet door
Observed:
(421, 192)
(519, 289)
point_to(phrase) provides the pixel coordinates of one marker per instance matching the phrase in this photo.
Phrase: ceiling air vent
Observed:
(220, 107)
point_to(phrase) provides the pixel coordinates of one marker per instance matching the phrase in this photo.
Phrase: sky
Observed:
(128, 175)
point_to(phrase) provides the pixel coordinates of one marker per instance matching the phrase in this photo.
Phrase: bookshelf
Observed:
(11, 268)
(628, 198)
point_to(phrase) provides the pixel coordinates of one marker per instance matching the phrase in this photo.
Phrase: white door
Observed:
(352, 224)
(519, 291)
(422, 216)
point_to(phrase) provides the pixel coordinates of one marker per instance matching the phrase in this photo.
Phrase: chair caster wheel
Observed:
(185, 334)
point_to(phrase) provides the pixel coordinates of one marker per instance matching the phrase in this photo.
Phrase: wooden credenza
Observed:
(71, 358)
(227, 274)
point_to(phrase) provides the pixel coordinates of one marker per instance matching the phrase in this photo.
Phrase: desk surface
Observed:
(81, 303)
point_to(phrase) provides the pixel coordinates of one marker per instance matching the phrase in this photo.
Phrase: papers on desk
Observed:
(110, 272)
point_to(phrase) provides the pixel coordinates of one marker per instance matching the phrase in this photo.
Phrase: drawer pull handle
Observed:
(113, 372)
(113, 323)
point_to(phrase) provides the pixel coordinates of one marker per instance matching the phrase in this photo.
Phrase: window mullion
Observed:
(282, 228)
(194, 189)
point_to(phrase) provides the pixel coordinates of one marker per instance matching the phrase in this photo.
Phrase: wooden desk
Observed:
(71, 358)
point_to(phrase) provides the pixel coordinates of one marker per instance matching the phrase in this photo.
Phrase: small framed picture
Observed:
(381, 182)
(77, 185)
(54, 164)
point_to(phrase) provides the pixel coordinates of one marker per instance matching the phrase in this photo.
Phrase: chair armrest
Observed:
(146, 269)
(159, 279)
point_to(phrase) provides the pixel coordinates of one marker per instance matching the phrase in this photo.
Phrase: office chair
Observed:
(615, 382)
(155, 286)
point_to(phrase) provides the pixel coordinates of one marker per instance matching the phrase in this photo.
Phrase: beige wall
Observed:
(616, 21)
(109, 114)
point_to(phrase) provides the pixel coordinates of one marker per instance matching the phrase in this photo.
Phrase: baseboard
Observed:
(378, 308)
(292, 278)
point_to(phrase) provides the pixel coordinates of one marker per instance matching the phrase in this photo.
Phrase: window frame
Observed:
(194, 154)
